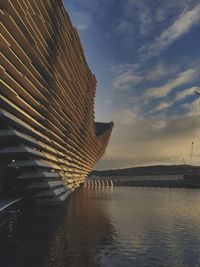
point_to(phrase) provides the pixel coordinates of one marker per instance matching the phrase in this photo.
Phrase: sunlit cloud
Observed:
(179, 96)
(187, 92)
(149, 141)
(182, 78)
(163, 105)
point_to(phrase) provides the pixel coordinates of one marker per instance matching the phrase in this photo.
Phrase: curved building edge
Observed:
(49, 140)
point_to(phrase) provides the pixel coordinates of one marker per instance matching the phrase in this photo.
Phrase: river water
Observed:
(119, 226)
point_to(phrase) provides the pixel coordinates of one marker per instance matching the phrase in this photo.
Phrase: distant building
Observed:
(49, 141)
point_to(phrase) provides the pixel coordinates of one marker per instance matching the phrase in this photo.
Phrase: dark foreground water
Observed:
(121, 226)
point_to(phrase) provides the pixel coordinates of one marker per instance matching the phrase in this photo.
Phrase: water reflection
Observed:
(68, 236)
(118, 226)
(86, 227)
(161, 227)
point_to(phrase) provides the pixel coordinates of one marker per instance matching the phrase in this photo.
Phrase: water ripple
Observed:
(120, 226)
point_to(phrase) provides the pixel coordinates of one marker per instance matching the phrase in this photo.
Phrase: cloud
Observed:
(153, 140)
(142, 9)
(170, 9)
(187, 92)
(145, 99)
(157, 72)
(145, 19)
(160, 71)
(125, 27)
(163, 105)
(126, 80)
(186, 20)
(129, 80)
(179, 96)
(184, 77)
(193, 108)
(143, 139)
(126, 76)
(125, 116)
(81, 20)
(94, 8)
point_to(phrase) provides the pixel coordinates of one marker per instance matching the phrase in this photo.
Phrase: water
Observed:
(120, 226)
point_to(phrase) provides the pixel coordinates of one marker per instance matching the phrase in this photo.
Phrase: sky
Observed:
(145, 56)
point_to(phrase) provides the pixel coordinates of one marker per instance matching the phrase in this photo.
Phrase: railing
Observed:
(136, 180)
(98, 183)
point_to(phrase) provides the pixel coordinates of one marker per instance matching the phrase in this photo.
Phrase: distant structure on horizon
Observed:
(49, 141)
(148, 170)
(179, 176)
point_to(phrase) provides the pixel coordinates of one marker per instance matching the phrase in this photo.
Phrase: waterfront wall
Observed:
(128, 178)
(176, 181)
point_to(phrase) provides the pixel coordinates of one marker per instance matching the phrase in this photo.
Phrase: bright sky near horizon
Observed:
(145, 56)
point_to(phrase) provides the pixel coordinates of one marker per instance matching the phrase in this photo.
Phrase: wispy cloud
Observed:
(126, 76)
(125, 27)
(94, 8)
(160, 71)
(157, 72)
(170, 9)
(145, 19)
(184, 77)
(179, 96)
(82, 20)
(187, 92)
(162, 106)
(186, 20)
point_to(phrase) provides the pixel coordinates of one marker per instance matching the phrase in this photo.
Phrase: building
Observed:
(49, 141)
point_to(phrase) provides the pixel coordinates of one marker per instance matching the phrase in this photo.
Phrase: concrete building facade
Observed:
(49, 140)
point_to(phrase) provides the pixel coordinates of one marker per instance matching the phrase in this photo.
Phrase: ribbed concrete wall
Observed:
(46, 97)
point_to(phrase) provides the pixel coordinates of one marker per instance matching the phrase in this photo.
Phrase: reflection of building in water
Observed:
(68, 235)
(85, 231)
(48, 138)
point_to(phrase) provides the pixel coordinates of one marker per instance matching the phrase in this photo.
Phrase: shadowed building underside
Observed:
(49, 141)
